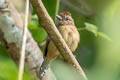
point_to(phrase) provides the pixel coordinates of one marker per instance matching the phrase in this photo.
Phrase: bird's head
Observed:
(64, 18)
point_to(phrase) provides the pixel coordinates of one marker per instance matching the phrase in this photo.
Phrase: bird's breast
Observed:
(70, 35)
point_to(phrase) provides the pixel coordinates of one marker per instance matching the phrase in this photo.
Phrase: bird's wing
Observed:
(46, 47)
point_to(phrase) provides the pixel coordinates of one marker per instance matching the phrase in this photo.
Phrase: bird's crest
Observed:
(65, 14)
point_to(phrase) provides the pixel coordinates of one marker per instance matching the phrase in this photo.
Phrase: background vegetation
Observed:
(98, 56)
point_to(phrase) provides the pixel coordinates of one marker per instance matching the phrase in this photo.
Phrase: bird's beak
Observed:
(58, 17)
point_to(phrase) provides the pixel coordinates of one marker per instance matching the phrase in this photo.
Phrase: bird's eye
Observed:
(67, 18)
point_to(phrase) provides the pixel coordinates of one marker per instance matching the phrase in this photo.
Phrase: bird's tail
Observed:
(44, 67)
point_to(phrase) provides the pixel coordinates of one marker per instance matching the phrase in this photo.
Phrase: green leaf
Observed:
(92, 28)
(33, 24)
(104, 36)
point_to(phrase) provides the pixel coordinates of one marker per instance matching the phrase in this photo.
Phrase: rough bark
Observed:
(11, 37)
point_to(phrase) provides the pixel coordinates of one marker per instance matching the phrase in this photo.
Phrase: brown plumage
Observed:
(70, 34)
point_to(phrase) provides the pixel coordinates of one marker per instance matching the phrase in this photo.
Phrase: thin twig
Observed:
(46, 21)
(22, 53)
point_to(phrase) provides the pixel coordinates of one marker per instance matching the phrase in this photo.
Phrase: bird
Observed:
(66, 26)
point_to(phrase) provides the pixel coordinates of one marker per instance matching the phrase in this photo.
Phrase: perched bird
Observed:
(70, 34)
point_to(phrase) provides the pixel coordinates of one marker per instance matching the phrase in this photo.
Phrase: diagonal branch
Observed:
(48, 24)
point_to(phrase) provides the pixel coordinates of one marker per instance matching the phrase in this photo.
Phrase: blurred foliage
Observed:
(9, 70)
(98, 57)
(37, 31)
(94, 29)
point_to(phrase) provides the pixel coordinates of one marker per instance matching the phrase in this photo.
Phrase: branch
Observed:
(48, 24)
(11, 38)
